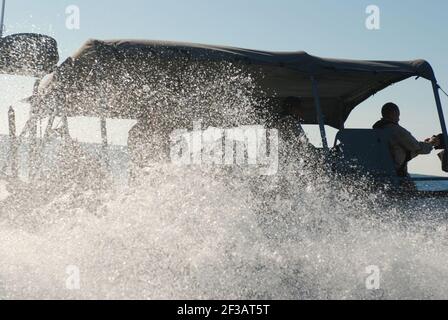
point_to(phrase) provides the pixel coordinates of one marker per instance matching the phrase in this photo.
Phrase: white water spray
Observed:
(200, 233)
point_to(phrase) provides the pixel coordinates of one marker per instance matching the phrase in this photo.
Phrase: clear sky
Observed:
(408, 30)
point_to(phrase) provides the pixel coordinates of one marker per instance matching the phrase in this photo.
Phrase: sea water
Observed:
(188, 233)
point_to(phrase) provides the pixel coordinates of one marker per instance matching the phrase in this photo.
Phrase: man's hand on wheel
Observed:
(434, 141)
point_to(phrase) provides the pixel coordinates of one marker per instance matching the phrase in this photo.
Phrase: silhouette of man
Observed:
(403, 146)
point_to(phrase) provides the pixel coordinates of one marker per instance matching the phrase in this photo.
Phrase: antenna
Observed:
(2, 20)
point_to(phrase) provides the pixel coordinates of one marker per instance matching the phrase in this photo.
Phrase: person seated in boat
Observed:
(148, 143)
(439, 144)
(403, 146)
(294, 143)
(288, 120)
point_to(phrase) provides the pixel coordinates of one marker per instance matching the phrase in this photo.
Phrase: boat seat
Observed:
(368, 150)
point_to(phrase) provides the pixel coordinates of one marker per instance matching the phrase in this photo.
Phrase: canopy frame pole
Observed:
(33, 140)
(14, 161)
(104, 132)
(320, 116)
(49, 128)
(65, 129)
(104, 141)
(441, 115)
(32, 135)
(103, 125)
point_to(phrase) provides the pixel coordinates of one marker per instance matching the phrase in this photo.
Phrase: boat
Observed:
(329, 90)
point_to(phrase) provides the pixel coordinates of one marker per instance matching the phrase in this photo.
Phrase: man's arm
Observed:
(410, 144)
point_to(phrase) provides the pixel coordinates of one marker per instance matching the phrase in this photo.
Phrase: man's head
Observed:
(391, 112)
